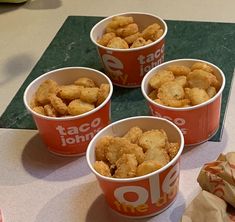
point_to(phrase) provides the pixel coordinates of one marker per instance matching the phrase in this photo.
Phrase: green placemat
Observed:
(71, 46)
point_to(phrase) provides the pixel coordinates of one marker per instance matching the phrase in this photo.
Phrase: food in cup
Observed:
(56, 100)
(122, 32)
(183, 86)
(136, 153)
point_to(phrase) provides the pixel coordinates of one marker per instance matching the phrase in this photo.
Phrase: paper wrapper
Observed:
(218, 177)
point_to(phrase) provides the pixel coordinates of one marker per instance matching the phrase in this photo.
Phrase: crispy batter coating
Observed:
(89, 95)
(119, 146)
(172, 149)
(70, 92)
(118, 21)
(182, 80)
(58, 104)
(77, 107)
(118, 43)
(39, 110)
(44, 91)
(161, 77)
(126, 166)
(102, 168)
(33, 102)
(179, 70)
(201, 65)
(101, 147)
(139, 42)
(211, 91)
(148, 166)
(102, 93)
(131, 38)
(153, 139)
(133, 134)
(104, 40)
(199, 79)
(160, 155)
(86, 82)
(49, 110)
(153, 94)
(128, 30)
(151, 32)
(197, 95)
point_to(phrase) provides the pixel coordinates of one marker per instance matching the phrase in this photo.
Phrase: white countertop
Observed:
(36, 186)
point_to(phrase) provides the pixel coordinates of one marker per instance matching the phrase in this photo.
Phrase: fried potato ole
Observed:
(49, 110)
(128, 30)
(161, 76)
(139, 42)
(70, 92)
(211, 91)
(77, 107)
(153, 94)
(126, 166)
(39, 110)
(117, 43)
(159, 155)
(179, 70)
(131, 38)
(103, 93)
(148, 166)
(133, 134)
(172, 149)
(203, 66)
(199, 79)
(197, 95)
(117, 22)
(89, 95)
(152, 32)
(104, 40)
(102, 168)
(58, 105)
(86, 82)
(44, 91)
(101, 147)
(182, 80)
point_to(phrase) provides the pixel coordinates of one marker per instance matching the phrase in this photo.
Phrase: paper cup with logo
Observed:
(198, 123)
(127, 67)
(146, 195)
(70, 135)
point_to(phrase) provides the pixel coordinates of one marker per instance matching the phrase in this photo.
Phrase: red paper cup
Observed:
(69, 136)
(198, 123)
(127, 67)
(146, 195)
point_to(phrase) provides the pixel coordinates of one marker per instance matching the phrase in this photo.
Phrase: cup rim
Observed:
(129, 49)
(144, 82)
(111, 179)
(67, 117)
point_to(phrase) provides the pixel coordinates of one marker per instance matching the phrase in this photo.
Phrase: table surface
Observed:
(36, 186)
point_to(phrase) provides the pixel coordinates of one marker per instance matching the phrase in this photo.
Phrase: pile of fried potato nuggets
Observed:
(123, 33)
(135, 154)
(74, 99)
(183, 86)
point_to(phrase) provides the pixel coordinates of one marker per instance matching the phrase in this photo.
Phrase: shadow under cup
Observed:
(127, 67)
(70, 135)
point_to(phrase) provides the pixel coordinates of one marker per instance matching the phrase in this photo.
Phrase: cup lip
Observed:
(132, 49)
(111, 179)
(144, 82)
(68, 117)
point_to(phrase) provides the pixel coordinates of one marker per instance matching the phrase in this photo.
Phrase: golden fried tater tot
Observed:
(86, 82)
(104, 40)
(58, 104)
(131, 38)
(175, 102)
(160, 78)
(44, 91)
(89, 95)
(148, 166)
(39, 110)
(102, 93)
(126, 166)
(138, 43)
(151, 32)
(127, 30)
(153, 94)
(70, 92)
(172, 149)
(77, 107)
(199, 79)
(179, 70)
(102, 168)
(33, 102)
(211, 91)
(133, 134)
(117, 43)
(159, 101)
(182, 80)
(160, 155)
(203, 66)
(50, 110)
(171, 91)
(152, 139)
(117, 22)
(197, 95)
(101, 147)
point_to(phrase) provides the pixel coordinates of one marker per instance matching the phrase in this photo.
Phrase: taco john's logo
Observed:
(158, 195)
(78, 134)
(142, 64)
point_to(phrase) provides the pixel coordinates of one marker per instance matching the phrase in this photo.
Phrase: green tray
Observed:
(72, 46)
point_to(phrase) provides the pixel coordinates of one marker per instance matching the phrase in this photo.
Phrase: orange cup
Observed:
(198, 123)
(69, 136)
(146, 195)
(127, 67)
